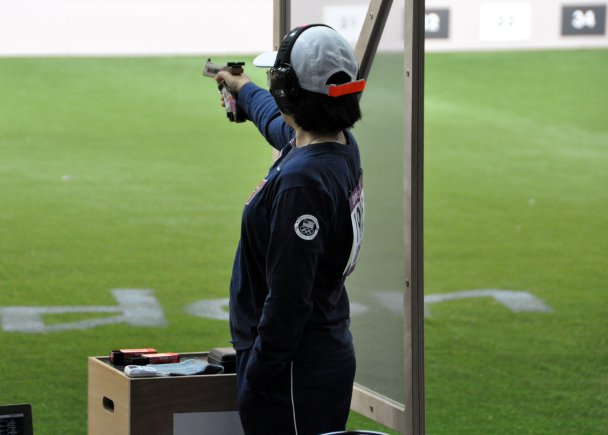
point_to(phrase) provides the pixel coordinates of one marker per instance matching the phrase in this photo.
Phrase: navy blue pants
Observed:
(306, 398)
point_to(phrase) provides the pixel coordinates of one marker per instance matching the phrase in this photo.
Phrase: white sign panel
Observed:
(347, 20)
(505, 22)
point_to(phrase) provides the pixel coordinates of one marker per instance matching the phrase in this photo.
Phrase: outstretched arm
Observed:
(260, 108)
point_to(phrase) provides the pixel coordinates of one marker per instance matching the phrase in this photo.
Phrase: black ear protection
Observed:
(282, 79)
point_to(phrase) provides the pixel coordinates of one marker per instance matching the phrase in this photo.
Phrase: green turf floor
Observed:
(517, 199)
(123, 174)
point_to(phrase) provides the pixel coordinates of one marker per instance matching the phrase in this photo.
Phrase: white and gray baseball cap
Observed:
(317, 54)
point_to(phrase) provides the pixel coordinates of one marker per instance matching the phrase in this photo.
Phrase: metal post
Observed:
(281, 21)
(371, 32)
(413, 215)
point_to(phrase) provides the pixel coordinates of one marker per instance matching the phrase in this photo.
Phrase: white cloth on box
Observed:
(188, 367)
(134, 371)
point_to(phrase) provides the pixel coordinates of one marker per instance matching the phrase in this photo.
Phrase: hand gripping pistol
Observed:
(233, 112)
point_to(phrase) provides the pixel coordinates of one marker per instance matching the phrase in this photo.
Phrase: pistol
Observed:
(233, 112)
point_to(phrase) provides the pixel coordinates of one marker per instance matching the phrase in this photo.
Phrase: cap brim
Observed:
(265, 60)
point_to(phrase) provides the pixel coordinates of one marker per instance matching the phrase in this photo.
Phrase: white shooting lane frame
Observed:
(409, 417)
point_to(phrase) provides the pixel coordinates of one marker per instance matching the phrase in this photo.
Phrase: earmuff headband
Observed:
(284, 52)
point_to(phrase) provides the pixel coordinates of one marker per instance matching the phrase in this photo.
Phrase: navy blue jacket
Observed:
(300, 237)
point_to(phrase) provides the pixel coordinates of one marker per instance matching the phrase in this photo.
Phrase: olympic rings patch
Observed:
(307, 227)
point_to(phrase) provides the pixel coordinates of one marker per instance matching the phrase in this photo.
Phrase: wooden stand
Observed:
(120, 405)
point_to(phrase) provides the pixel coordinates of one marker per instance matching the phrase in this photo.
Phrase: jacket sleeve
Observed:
(299, 226)
(262, 110)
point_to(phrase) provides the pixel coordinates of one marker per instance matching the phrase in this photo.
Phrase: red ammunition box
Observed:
(161, 358)
(117, 357)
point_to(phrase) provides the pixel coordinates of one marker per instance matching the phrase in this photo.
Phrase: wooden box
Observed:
(120, 405)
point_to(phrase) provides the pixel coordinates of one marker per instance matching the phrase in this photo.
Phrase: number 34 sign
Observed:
(584, 20)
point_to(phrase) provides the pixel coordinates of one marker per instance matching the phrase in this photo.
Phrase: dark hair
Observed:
(324, 114)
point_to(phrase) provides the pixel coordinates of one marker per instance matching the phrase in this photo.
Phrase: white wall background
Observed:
(134, 27)
(175, 27)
